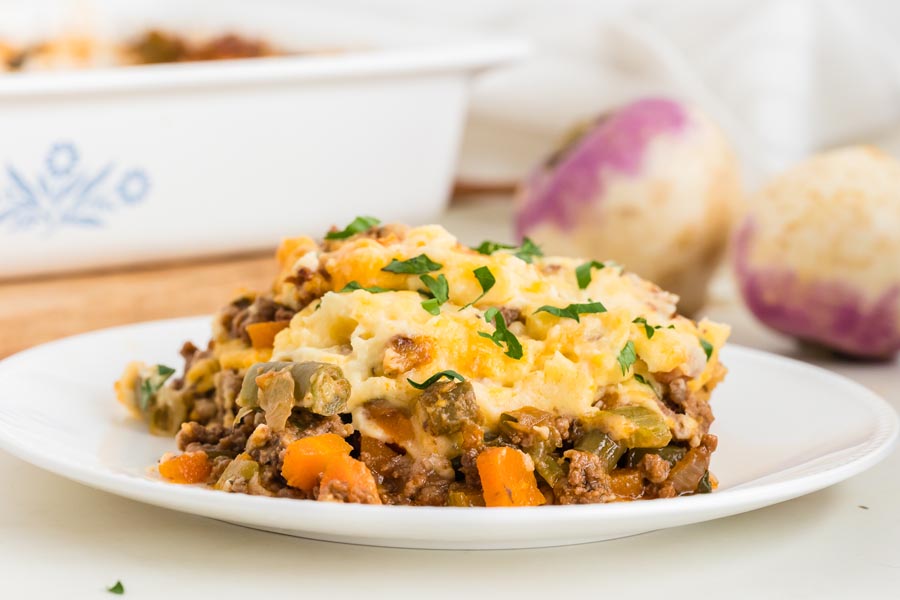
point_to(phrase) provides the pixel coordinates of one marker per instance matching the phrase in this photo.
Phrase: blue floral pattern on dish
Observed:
(65, 191)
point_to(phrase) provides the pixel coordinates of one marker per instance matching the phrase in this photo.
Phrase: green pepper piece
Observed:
(546, 464)
(632, 426)
(671, 454)
(599, 443)
(704, 487)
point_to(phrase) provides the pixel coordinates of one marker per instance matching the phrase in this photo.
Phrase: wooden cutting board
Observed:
(40, 310)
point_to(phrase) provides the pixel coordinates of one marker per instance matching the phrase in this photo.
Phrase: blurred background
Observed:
(154, 153)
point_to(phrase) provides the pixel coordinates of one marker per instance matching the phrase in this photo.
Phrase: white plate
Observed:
(785, 429)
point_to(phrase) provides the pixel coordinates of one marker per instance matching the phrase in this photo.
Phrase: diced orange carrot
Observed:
(626, 483)
(506, 478)
(190, 467)
(305, 459)
(262, 335)
(352, 478)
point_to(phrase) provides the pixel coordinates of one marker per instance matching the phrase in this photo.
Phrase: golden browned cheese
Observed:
(568, 366)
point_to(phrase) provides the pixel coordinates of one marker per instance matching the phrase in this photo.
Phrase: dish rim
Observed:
(446, 57)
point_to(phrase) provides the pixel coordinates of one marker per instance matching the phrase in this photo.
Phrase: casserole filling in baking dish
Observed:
(393, 365)
(151, 47)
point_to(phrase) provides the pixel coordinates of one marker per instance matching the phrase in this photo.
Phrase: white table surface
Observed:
(59, 539)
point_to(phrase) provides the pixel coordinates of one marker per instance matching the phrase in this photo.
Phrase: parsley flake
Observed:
(354, 285)
(358, 225)
(449, 374)
(707, 348)
(648, 329)
(418, 265)
(583, 272)
(488, 247)
(151, 384)
(573, 310)
(528, 250)
(116, 588)
(502, 335)
(486, 279)
(440, 292)
(627, 356)
(641, 379)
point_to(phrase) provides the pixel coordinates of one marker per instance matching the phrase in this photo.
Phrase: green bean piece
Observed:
(445, 407)
(319, 387)
(599, 443)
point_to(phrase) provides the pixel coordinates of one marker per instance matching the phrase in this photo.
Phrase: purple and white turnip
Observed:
(818, 254)
(652, 185)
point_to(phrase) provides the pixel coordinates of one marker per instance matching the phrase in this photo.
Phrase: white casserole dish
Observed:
(120, 165)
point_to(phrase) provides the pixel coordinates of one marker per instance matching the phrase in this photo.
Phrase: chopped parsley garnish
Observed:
(354, 285)
(641, 379)
(486, 280)
(573, 310)
(707, 348)
(440, 293)
(627, 357)
(528, 250)
(502, 335)
(488, 247)
(418, 265)
(116, 588)
(649, 329)
(358, 225)
(151, 385)
(583, 272)
(449, 374)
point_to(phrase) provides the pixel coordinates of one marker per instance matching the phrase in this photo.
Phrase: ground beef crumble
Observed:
(587, 481)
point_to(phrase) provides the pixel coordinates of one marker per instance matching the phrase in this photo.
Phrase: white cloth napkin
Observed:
(784, 78)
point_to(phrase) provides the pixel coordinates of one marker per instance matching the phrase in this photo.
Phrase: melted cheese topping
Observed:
(567, 366)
